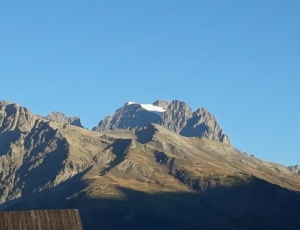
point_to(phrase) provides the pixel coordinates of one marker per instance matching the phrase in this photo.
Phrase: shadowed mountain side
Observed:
(120, 150)
(6, 139)
(254, 204)
(145, 134)
(31, 178)
(204, 124)
(191, 131)
(51, 198)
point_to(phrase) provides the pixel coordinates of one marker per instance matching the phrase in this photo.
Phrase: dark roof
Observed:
(41, 220)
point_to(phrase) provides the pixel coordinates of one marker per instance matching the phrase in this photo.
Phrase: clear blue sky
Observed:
(239, 59)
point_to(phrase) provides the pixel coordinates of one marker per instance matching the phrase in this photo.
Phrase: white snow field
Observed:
(148, 107)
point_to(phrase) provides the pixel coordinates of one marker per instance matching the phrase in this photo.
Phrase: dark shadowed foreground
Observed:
(252, 204)
(41, 220)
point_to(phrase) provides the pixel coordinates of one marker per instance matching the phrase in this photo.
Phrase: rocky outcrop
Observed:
(14, 117)
(176, 116)
(295, 168)
(203, 123)
(180, 118)
(161, 103)
(62, 118)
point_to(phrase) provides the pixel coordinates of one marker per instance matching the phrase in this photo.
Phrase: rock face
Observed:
(130, 116)
(33, 154)
(62, 118)
(295, 168)
(13, 117)
(204, 123)
(161, 103)
(176, 116)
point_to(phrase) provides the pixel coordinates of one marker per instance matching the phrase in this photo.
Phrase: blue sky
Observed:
(239, 59)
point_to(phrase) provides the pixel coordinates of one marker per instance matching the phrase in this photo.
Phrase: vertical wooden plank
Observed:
(41, 220)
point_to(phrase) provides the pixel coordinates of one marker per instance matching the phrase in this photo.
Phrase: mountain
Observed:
(176, 116)
(295, 168)
(144, 178)
(62, 118)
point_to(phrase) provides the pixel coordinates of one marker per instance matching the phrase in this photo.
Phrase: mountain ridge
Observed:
(120, 178)
(62, 118)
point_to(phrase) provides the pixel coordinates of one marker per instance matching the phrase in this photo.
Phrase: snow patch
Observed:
(153, 108)
(149, 107)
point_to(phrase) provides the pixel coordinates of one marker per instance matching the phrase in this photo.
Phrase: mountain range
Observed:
(147, 166)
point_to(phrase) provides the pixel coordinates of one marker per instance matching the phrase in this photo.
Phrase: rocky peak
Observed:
(130, 116)
(295, 168)
(204, 124)
(176, 116)
(62, 118)
(161, 103)
(15, 117)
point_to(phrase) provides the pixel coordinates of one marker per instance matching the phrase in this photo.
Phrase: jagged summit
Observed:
(14, 117)
(295, 168)
(161, 103)
(129, 116)
(62, 118)
(175, 116)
